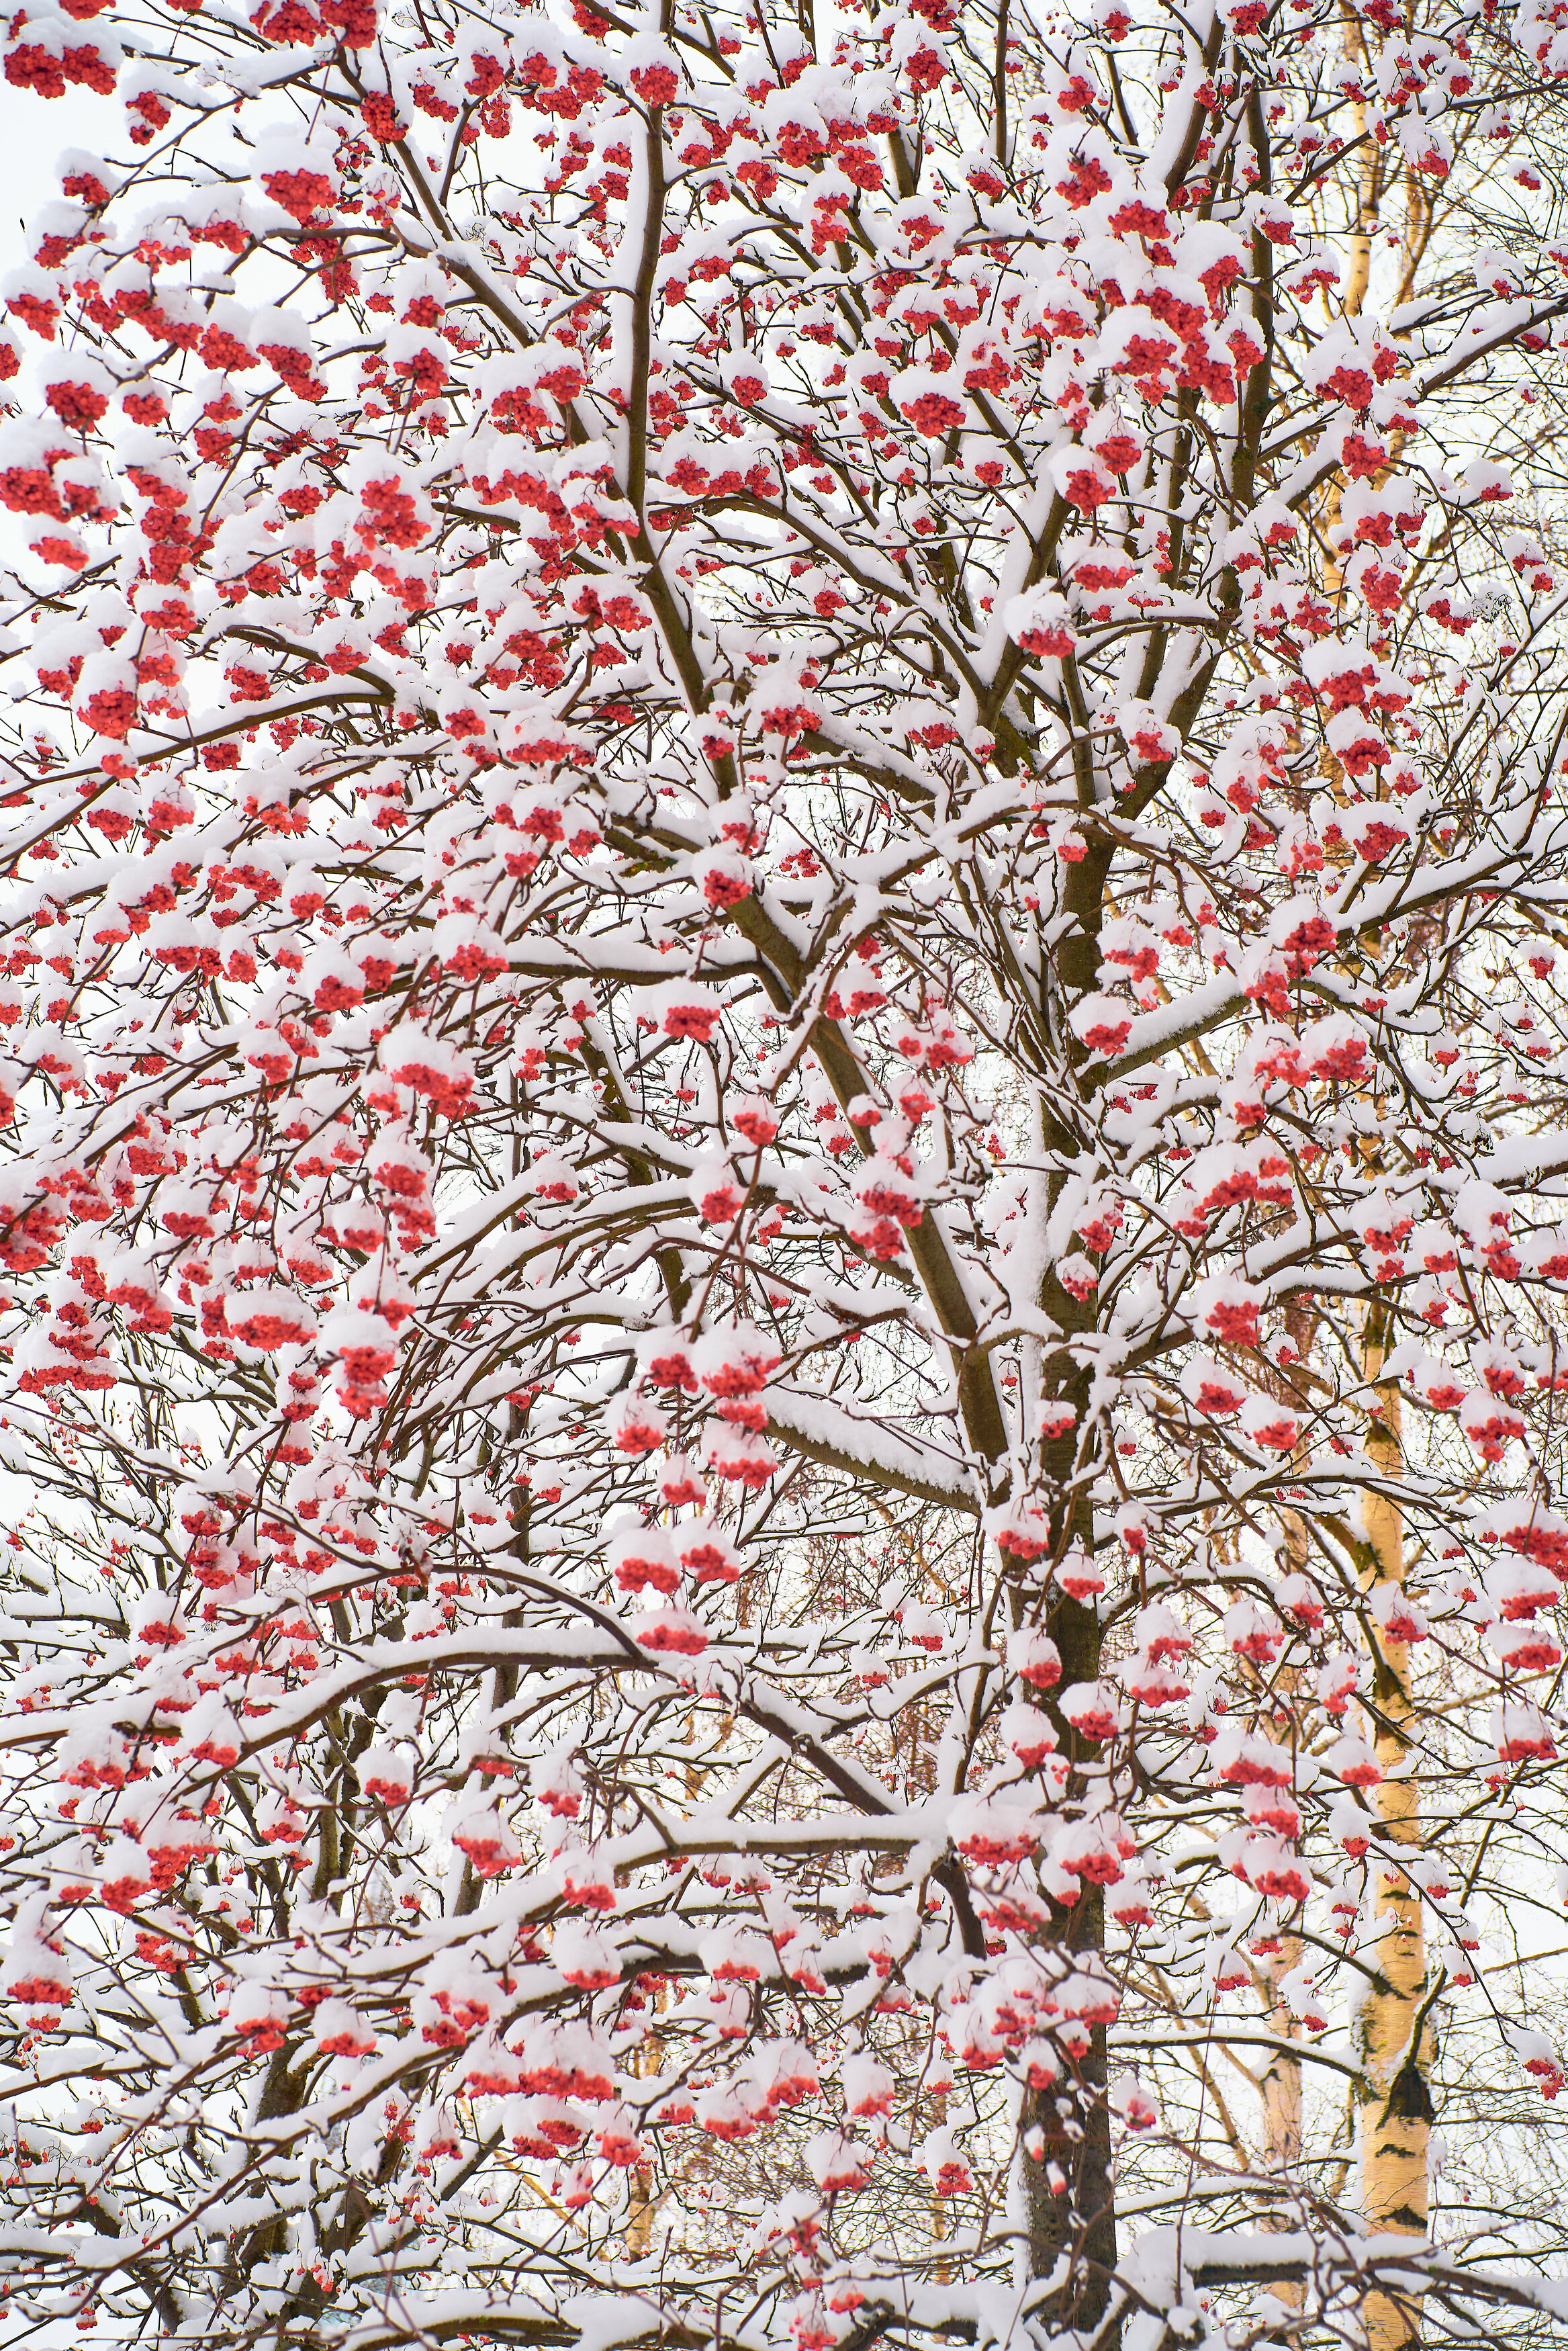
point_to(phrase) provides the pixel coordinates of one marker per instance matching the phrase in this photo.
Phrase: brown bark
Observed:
(1282, 2085)
(1070, 2188)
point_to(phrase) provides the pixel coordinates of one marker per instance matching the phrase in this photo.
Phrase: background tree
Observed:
(784, 1080)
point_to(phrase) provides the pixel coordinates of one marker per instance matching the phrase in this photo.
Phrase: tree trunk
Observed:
(1282, 2083)
(1281, 2089)
(1070, 2188)
(1071, 2191)
(1396, 2099)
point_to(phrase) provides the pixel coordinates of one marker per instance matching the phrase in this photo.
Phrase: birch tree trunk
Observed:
(1282, 2097)
(1396, 2097)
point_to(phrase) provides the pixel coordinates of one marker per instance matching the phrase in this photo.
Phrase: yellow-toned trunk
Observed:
(1282, 2096)
(1396, 2101)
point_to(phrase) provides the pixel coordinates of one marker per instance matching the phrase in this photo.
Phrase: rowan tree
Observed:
(784, 1089)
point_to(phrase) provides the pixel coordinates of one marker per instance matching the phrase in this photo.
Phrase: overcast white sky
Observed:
(34, 132)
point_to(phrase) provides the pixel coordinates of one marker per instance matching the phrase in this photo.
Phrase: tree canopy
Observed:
(783, 898)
